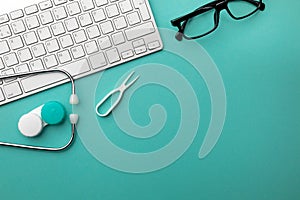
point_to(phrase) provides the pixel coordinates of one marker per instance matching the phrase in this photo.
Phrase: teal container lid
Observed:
(53, 113)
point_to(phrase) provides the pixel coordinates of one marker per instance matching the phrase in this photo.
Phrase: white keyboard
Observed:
(82, 37)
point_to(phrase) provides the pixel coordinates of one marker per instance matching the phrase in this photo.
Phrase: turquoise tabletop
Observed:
(215, 118)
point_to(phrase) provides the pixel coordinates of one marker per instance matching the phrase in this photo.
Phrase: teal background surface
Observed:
(257, 156)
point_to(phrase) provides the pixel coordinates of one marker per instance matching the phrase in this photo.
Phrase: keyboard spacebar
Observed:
(42, 80)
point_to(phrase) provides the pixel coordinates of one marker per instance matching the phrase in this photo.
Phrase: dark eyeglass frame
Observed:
(218, 5)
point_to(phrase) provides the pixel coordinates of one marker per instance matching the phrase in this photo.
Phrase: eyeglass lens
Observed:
(240, 9)
(200, 24)
(205, 22)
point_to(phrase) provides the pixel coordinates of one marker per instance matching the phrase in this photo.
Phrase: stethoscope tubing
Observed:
(73, 125)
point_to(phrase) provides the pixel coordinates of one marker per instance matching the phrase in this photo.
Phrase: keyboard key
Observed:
(107, 27)
(85, 19)
(104, 42)
(64, 56)
(98, 60)
(144, 12)
(24, 55)
(141, 5)
(93, 32)
(91, 47)
(140, 50)
(42, 80)
(139, 31)
(59, 2)
(77, 52)
(8, 72)
(10, 59)
(98, 15)
(87, 4)
(2, 98)
(58, 29)
(15, 43)
(125, 6)
(118, 38)
(120, 23)
(4, 31)
(18, 27)
(31, 9)
(30, 38)
(22, 69)
(138, 3)
(127, 54)
(138, 43)
(4, 18)
(16, 14)
(38, 50)
(12, 90)
(113, 55)
(112, 10)
(133, 18)
(45, 5)
(154, 45)
(73, 8)
(46, 17)
(66, 41)
(1, 64)
(32, 22)
(52, 45)
(101, 2)
(60, 13)
(50, 61)
(44, 33)
(79, 36)
(71, 24)
(4, 48)
(36, 65)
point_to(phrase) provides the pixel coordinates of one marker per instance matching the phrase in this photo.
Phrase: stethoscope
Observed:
(51, 113)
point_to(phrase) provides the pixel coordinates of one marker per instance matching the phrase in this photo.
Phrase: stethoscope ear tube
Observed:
(73, 117)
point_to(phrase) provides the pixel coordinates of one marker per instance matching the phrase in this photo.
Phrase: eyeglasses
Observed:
(205, 19)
